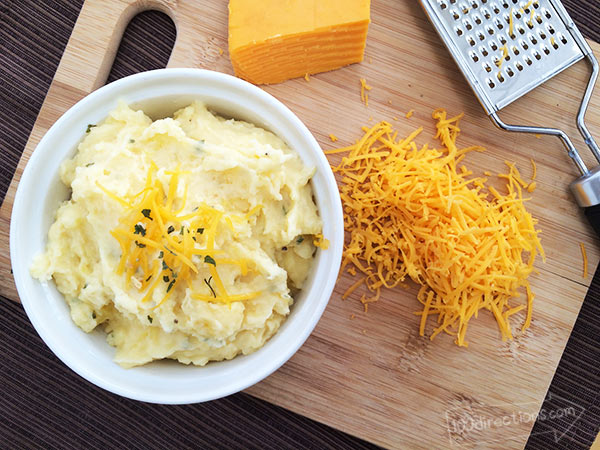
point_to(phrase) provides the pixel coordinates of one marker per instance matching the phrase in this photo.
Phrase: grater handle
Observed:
(587, 136)
(593, 215)
(586, 188)
(572, 151)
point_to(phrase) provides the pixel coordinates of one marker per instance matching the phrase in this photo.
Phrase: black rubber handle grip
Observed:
(593, 215)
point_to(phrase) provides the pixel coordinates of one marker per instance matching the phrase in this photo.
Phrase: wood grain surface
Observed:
(396, 389)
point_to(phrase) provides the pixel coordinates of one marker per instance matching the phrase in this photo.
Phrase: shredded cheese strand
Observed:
(364, 96)
(412, 212)
(585, 259)
(158, 244)
(511, 24)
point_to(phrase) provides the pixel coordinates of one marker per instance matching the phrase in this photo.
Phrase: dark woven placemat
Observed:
(45, 405)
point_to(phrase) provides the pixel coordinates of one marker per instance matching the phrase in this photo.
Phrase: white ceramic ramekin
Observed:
(159, 93)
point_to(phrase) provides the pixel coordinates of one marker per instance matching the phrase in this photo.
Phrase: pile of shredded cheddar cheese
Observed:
(417, 212)
(162, 246)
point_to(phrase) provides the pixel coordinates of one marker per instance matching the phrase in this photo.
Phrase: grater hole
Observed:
(528, 61)
(459, 32)
(519, 66)
(546, 50)
(533, 40)
(455, 14)
(516, 51)
(467, 25)
(452, 2)
(517, 15)
(547, 14)
(487, 67)
(510, 72)
(474, 56)
(491, 83)
(481, 36)
(496, 10)
(550, 29)
(562, 38)
(538, 19)
(500, 77)
(520, 29)
(474, 4)
(536, 5)
(443, 4)
(477, 20)
(494, 46)
(543, 35)
(553, 43)
(499, 24)
(505, 5)
(530, 24)
(502, 40)
(537, 55)
(471, 41)
(487, 15)
(484, 51)
(525, 45)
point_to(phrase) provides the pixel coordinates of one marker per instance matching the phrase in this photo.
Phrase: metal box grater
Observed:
(504, 65)
(506, 48)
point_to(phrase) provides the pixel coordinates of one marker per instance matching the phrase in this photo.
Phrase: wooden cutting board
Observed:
(372, 376)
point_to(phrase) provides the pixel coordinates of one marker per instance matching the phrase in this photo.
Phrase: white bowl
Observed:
(159, 93)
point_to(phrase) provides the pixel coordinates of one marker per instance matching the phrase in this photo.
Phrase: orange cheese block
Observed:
(283, 39)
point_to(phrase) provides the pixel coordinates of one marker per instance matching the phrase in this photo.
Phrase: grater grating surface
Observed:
(505, 48)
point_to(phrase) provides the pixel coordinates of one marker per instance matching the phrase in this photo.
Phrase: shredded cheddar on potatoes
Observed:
(417, 212)
(161, 243)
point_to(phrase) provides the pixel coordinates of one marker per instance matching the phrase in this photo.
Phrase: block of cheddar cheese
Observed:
(274, 40)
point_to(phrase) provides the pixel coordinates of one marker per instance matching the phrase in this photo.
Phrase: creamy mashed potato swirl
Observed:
(105, 256)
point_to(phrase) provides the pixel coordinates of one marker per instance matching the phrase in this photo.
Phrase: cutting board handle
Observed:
(94, 42)
(92, 47)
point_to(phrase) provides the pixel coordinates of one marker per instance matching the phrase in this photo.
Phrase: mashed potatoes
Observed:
(185, 237)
